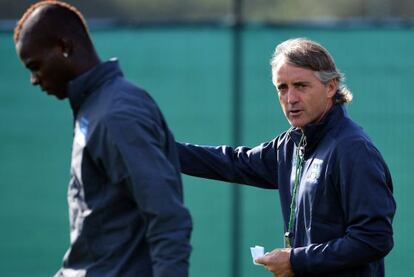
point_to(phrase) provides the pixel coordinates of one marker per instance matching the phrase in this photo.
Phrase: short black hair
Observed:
(70, 17)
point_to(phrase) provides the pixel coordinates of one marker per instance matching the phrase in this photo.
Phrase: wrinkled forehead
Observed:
(284, 71)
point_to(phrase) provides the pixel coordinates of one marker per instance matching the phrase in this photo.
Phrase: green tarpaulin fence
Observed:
(188, 72)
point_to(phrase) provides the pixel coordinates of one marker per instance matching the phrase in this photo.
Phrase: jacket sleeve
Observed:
(364, 186)
(252, 166)
(136, 146)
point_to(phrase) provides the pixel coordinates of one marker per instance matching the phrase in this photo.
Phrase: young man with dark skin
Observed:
(335, 188)
(127, 216)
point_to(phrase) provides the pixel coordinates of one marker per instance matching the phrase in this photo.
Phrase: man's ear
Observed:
(66, 46)
(332, 88)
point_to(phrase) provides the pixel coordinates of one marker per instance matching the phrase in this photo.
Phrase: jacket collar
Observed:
(314, 132)
(82, 86)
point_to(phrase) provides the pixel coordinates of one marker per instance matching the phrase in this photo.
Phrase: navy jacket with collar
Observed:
(127, 216)
(345, 205)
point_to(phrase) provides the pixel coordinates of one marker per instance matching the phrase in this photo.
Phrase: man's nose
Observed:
(292, 96)
(34, 79)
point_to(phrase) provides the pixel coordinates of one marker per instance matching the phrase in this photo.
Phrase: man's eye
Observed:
(282, 89)
(33, 67)
(301, 85)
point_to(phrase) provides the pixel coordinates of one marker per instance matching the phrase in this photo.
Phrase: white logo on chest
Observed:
(314, 171)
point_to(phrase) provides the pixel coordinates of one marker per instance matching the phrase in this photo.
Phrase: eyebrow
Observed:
(281, 85)
(301, 82)
(31, 63)
(294, 83)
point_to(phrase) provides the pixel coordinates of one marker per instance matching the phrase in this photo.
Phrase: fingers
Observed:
(277, 262)
(267, 258)
(262, 260)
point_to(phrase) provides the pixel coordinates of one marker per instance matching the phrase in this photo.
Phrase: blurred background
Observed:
(206, 62)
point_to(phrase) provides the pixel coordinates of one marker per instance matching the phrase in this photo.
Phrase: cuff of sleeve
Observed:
(297, 260)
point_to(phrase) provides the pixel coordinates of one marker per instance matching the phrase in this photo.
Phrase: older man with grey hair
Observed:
(335, 188)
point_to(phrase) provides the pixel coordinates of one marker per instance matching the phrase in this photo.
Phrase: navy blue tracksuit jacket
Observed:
(344, 207)
(127, 216)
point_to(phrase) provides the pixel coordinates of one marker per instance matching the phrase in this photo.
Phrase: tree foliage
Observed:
(138, 11)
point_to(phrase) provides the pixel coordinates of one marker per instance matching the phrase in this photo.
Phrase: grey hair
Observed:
(308, 54)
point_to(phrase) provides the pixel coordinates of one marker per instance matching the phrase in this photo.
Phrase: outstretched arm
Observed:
(252, 166)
